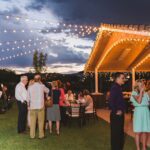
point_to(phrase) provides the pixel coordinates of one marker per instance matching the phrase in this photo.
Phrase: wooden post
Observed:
(133, 78)
(96, 81)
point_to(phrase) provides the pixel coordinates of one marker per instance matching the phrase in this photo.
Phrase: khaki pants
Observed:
(34, 115)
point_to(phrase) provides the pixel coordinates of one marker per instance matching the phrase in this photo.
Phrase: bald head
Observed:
(37, 78)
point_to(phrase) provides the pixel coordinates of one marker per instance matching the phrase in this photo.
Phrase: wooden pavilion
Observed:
(120, 48)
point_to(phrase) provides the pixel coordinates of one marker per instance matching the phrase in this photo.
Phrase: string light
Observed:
(24, 46)
(21, 54)
(112, 28)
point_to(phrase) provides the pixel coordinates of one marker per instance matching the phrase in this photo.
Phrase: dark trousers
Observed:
(117, 131)
(22, 116)
(63, 114)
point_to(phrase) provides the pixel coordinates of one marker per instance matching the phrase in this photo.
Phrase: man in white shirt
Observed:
(36, 106)
(21, 96)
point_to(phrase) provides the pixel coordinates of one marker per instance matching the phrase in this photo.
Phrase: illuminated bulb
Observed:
(22, 31)
(17, 18)
(18, 47)
(13, 48)
(31, 31)
(14, 31)
(5, 31)
(7, 17)
(0, 44)
(27, 20)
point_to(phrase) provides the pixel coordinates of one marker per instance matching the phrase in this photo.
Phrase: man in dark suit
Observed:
(117, 106)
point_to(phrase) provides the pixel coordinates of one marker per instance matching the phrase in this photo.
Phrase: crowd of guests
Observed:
(140, 99)
(31, 96)
(5, 99)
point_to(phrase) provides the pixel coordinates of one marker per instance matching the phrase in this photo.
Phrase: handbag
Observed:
(49, 101)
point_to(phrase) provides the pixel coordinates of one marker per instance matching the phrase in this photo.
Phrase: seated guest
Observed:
(53, 113)
(69, 97)
(141, 118)
(4, 98)
(81, 98)
(88, 101)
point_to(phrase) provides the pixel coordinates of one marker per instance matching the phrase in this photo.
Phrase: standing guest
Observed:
(141, 118)
(53, 113)
(62, 103)
(21, 96)
(117, 106)
(36, 106)
(148, 87)
(88, 101)
(31, 82)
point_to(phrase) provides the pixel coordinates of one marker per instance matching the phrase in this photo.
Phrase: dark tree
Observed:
(39, 62)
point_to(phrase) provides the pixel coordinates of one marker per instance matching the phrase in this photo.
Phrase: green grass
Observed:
(95, 136)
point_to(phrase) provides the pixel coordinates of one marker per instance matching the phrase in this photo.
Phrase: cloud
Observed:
(62, 47)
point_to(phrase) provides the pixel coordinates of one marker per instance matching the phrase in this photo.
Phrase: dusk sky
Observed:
(67, 52)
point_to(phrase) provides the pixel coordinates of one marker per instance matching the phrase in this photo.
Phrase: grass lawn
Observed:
(95, 136)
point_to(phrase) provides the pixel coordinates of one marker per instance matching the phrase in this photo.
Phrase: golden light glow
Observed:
(125, 42)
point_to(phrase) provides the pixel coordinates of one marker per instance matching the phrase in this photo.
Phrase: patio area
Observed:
(104, 114)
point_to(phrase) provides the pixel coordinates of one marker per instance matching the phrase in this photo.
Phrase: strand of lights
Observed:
(112, 28)
(68, 25)
(24, 46)
(117, 43)
(77, 32)
(142, 61)
(20, 54)
(20, 41)
(125, 29)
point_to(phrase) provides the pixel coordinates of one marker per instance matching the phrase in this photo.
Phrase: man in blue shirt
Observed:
(117, 106)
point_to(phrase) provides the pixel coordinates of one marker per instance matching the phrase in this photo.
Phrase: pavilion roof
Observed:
(120, 48)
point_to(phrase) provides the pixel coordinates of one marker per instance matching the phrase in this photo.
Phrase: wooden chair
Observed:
(76, 113)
